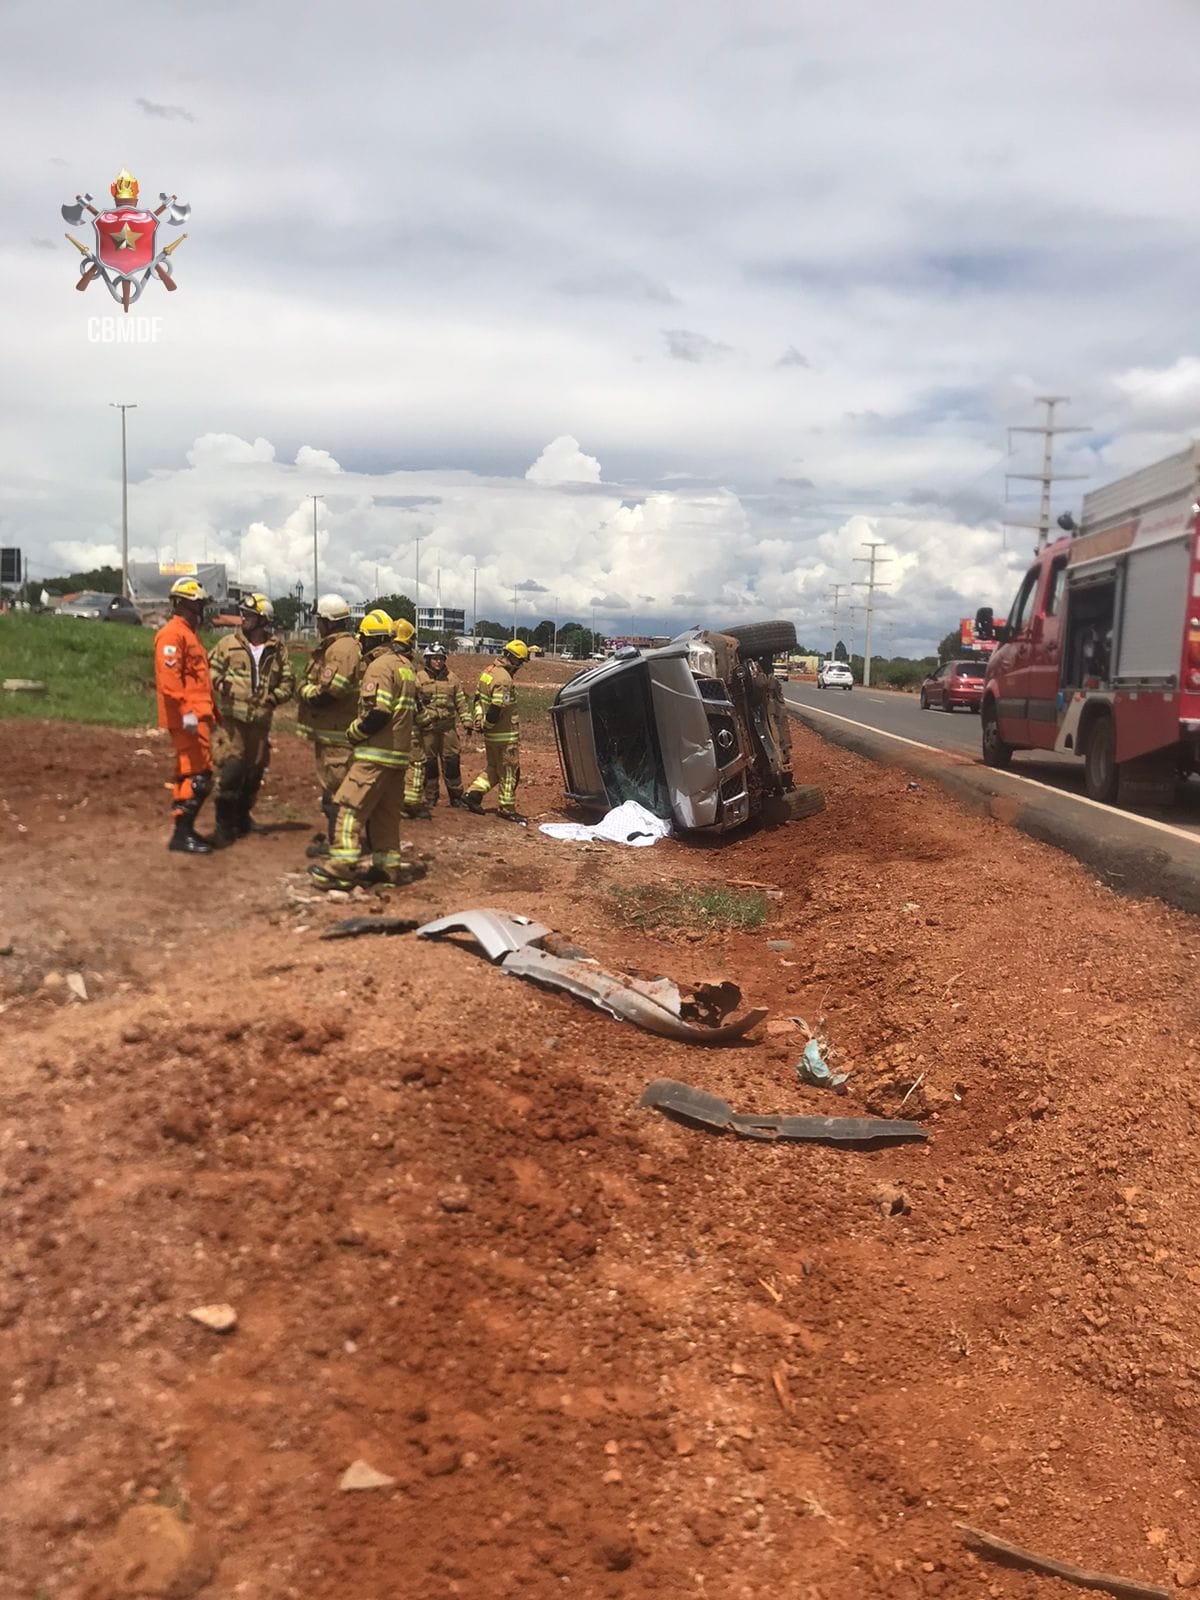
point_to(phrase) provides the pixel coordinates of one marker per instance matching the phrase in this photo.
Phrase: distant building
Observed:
(440, 619)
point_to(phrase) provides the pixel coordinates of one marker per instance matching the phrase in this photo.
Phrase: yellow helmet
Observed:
(259, 604)
(517, 649)
(189, 589)
(403, 631)
(376, 625)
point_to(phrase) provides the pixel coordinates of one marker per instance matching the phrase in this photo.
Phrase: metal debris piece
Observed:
(498, 932)
(355, 927)
(1014, 1555)
(697, 1108)
(653, 1006)
(526, 949)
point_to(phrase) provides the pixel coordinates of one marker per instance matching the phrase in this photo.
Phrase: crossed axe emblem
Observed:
(126, 289)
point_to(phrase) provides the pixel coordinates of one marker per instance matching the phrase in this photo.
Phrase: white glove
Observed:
(190, 721)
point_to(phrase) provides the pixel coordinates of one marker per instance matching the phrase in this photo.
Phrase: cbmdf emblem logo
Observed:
(126, 250)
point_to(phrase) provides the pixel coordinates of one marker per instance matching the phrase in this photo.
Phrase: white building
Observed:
(440, 619)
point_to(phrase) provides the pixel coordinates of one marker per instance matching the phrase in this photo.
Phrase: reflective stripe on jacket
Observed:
(246, 690)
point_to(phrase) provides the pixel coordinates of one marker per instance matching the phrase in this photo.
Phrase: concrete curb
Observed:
(1113, 846)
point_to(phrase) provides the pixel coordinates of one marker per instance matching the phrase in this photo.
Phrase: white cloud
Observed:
(562, 461)
(807, 183)
(310, 460)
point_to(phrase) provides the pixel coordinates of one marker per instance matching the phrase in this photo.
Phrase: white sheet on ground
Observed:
(629, 823)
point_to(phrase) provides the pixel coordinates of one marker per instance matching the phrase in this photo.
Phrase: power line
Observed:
(1047, 477)
(870, 560)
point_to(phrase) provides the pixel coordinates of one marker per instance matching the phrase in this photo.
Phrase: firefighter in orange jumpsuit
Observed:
(186, 711)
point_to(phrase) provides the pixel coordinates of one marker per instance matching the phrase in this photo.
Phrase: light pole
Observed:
(316, 571)
(475, 606)
(554, 635)
(123, 408)
(417, 588)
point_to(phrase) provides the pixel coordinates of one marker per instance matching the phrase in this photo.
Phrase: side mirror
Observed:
(985, 626)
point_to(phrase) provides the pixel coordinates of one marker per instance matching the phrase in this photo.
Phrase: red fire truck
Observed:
(1100, 654)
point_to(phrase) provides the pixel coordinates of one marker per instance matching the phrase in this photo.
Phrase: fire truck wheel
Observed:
(1100, 773)
(995, 752)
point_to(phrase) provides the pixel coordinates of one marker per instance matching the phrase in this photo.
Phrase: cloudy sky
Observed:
(656, 308)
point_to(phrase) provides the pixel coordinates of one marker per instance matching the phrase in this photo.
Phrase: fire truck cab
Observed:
(1100, 654)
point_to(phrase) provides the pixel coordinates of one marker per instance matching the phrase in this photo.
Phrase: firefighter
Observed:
(444, 704)
(186, 711)
(405, 647)
(328, 697)
(252, 674)
(370, 798)
(496, 716)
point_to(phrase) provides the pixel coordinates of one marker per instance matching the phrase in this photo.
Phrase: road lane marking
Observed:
(1035, 783)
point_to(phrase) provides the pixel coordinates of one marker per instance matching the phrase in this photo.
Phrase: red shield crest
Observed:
(125, 241)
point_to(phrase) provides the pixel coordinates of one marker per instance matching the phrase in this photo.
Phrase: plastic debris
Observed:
(812, 1067)
(525, 949)
(697, 1108)
(355, 927)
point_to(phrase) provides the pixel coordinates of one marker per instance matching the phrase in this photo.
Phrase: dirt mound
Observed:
(590, 1347)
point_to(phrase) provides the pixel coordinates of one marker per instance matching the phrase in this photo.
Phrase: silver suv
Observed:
(694, 731)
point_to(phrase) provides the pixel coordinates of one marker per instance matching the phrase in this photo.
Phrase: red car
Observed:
(958, 683)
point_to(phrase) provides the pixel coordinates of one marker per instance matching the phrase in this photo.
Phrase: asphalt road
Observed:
(899, 716)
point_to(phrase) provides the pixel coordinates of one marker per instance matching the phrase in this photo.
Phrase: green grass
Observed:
(94, 671)
(714, 906)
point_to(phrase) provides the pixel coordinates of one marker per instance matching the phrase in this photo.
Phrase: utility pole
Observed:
(123, 408)
(316, 594)
(475, 605)
(513, 634)
(1047, 477)
(417, 587)
(836, 590)
(870, 561)
(593, 627)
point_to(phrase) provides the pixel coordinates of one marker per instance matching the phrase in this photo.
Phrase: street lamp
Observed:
(123, 408)
(316, 575)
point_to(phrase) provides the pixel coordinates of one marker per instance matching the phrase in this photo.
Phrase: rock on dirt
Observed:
(151, 1552)
(361, 1475)
(455, 1197)
(220, 1318)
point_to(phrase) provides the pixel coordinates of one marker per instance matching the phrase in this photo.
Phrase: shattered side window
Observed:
(627, 742)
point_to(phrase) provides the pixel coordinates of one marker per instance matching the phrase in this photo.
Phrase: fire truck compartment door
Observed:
(1150, 636)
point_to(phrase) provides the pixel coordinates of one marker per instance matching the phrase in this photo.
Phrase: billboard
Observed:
(10, 565)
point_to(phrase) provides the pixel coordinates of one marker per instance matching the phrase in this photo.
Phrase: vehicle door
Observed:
(1044, 671)
(1012, 660)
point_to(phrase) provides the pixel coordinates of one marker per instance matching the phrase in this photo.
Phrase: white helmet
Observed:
(333, 608)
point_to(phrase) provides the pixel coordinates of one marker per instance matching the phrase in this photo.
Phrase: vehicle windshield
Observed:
(626, 744)
(93, 600)
(970, 669)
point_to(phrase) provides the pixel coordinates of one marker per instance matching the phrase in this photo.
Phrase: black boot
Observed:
(226, 831)
(473, 801)
(186, 840)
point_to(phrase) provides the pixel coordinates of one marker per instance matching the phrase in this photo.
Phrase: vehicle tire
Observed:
(805, 800)
(924, 701)
(1101, 776)
(762, 638)
(995, 752)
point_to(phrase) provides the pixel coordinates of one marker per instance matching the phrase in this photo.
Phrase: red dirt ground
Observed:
(599, 1353)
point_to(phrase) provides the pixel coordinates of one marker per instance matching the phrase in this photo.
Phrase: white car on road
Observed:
(835, 675)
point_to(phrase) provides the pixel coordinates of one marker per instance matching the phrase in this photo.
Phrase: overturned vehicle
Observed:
(695, 731)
